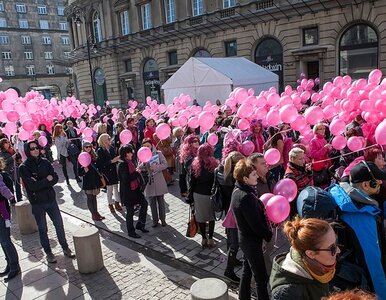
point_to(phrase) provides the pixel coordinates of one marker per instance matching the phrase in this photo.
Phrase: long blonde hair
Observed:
(103, 140)
(231, 161)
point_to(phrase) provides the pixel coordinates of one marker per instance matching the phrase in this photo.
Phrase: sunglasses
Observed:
(34, 148)
(333, 249)
(87, 147)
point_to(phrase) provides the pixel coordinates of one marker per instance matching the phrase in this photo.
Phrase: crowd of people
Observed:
(304, 272)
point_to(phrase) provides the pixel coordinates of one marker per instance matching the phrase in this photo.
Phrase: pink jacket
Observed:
(319, 152)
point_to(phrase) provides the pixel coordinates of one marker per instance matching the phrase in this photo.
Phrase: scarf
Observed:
(134, 183)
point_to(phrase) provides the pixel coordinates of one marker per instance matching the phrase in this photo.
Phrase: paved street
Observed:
(161, 265)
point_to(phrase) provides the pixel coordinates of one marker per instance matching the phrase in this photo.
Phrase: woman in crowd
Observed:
(149, 131)
(130, 125)
(91, 182)
(200, 190)
(101, 129)
(305, 271)
(188, 151)
(61, 142)
(252, 228)
(130, 191)
(107, 165)
(257, 135)
(156, 187)
(48, 135)
(8, 154)
(320, 154)
(275, 140)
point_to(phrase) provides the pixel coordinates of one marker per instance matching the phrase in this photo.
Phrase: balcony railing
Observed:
(195, 20)
(264, 4)
(226, 13)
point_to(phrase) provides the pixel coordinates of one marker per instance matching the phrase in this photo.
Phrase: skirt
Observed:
(203, 208)
(94, 192)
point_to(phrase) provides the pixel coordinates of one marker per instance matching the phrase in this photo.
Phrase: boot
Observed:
(111, 207)
(100, 217)
(117, 205)
(6, 271)
(211, 244)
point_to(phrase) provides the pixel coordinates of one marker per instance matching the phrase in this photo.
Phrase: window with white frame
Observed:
(229, 3)
(66, 54)
(23, 23)
(170, 11)
(60, 10)
(198, 8)
(9, 71)
(25, 39)
(28, 55)
(42, 10)
(21, 8)
(3, 22)
(146, 16)
(4, 39)
(30, 70)
(50, 69)
(47, 55)
(97, 30)
(1, 6)
(69, 70)
(44, 24)
(65, 40)
(6, 55)
(124, 16)
(63, 26)
(46, 40)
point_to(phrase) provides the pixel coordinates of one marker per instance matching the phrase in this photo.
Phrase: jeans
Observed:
(18, 184)
(110, 189)
(160, 202)
(141, 218)
(253, 264)
(52, 209)
(63, 162)
(8, 247)
(232, 248)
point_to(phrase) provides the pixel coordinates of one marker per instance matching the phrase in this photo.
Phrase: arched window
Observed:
(358, 51)
(201, 53)
(96, 27)
(151, 79)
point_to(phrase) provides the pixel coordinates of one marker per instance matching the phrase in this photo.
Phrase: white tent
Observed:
(214, 78)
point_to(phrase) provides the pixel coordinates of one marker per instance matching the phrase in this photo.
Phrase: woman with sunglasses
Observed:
(304, 272)
(91, 181)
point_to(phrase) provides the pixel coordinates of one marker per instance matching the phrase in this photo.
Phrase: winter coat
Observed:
(91, 179)
(148, 133)
(105, 166)
(319, 152)
(9, 162)
(128, 196)
(157, 184)
(299, 174)
(203, 183)
(6, 192)
(290, 281)
(34, 172)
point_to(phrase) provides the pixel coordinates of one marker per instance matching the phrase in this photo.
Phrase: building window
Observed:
(172, 55)
(63, 26)
(3, 22)
(23, 24)
(9, 71)
(229, 3)
(66, 54)
(358, 51)
(30, 70)
(6, 55)
(310, 36)
(128, 65)
(25, 39)
(20, 8)
(42, 10)
(28, 55)
(50, 69)
(60, 10)
(198, 8)
(230, 48)
(43, 24)
(69, 71)
(97, 30)
(1, 6)
(146, 16)
(65, 40)
(4, 39)
(124, 16)
(46, 40)
(170, 11)
(47, 55)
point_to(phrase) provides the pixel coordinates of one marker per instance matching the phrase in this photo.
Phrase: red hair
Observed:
(372, 153)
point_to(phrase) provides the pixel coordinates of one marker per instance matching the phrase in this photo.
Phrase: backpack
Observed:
(314, 202)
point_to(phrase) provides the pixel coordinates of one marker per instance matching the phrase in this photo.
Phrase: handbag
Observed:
(229, 221)
(216, 199)
(192, 229)
(73, 150)
(102, 177)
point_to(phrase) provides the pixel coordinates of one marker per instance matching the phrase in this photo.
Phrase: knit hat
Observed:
(86, 143)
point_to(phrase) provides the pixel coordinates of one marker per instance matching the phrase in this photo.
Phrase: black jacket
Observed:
(74, 137)
(249, 214)
(226, 185)
(91, 179)
(105, 166)
(203, 183)
(34, 172)
(128, 197)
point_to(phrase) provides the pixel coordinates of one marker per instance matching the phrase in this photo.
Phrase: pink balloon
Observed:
(193, 122)
(163, 131)
(7, 105)
(162, 108)
(288, 113)
(28, 125)
(206, 119)
(355, 143)
(272, 156)
(380, 133)
(12, 116)
(42, 140)
(265, 197)
(11, 128)
(298, 123)
(212, 139)
(84, 159)
(337, 127)
(247, 148)
(286, 188)
(375, 76)
(88, 132)
(125, 136)
(182, 120)
(144, 154)
(243, 124)
(23, 135)
(277, 209)
(273, 117)
(240, 95)
(339, 142)
(313, 115)
(3, 116)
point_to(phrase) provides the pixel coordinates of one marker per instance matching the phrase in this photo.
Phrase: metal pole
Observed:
(91, 76)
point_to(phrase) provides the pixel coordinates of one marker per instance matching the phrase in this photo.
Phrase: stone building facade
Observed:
(34, 47)
(140, 43)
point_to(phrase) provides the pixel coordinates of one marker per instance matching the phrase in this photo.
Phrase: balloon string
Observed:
(280, 132)
(276, 246)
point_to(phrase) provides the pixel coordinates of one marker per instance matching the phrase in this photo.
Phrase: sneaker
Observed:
(232, 276)
(51, 258)
(67, 252)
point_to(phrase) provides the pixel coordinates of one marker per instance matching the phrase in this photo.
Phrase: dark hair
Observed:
(242, 169)
(3, 141)
(124, 150)
(146, 140)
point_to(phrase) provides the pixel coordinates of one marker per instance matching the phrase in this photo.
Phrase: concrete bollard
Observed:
(88, 250)
(25, 219)
(209, 289)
